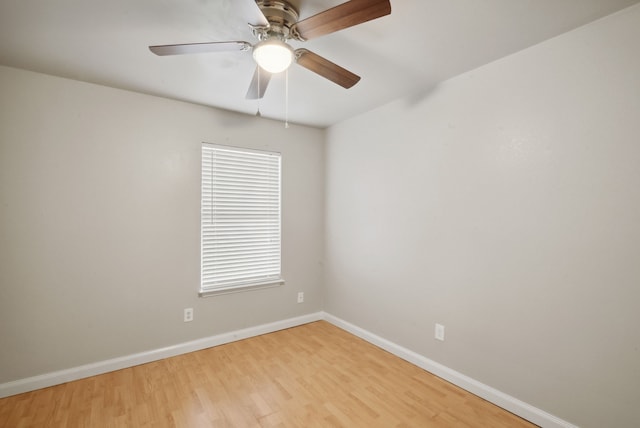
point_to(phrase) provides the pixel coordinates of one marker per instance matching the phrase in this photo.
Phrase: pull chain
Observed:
(258, 114)
(286, 99)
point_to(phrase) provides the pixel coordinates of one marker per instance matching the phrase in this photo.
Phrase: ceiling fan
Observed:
(274, 24)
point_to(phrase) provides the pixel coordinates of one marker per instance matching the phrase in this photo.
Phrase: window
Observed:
(240, 219)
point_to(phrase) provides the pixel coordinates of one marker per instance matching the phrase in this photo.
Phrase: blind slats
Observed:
(240, 218)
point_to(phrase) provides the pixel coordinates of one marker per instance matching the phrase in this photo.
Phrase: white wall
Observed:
(504, 204)
(99, 223)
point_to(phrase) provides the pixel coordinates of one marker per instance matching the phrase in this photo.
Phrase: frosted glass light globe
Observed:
(273, 55)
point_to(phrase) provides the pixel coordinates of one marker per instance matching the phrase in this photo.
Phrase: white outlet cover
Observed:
(439, 332)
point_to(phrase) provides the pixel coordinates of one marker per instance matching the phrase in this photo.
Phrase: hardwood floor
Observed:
(315, 375)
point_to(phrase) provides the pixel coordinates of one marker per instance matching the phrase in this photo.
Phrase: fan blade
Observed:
(326, 68)
(258, 84)
(192, 48)
(343, 16)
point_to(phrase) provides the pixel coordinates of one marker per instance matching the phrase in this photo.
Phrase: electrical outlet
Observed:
(188, 314)
(439, 333)
(300, 297)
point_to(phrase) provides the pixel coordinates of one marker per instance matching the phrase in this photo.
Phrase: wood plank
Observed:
(315, 375)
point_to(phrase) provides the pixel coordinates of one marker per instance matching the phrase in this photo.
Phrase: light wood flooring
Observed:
(315, 375)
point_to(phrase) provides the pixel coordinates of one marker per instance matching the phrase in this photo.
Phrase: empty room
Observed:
(316, 213)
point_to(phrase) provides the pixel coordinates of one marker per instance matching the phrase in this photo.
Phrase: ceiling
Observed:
(421, 43)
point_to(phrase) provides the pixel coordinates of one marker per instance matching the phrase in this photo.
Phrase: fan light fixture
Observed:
(273, 55)
(273, 23)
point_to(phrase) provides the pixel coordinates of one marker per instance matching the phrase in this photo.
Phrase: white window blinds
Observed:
(240, 219)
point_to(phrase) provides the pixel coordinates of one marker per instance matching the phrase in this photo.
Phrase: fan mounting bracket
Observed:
(281, 16)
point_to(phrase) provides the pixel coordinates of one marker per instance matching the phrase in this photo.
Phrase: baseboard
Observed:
(62, 376)
(507, 402)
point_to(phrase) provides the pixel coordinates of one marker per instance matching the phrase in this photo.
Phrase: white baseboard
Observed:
(512, 404)
(75, 373)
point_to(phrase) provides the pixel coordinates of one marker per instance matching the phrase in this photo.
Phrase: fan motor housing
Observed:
(281, 16)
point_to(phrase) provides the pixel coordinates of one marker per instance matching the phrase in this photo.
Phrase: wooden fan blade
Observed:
(258, 84)
(343, 16)
(193, 48)
(326, 68)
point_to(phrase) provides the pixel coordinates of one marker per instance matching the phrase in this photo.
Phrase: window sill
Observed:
(240, 288)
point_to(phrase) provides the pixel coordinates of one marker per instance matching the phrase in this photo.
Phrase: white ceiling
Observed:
(421, 43)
